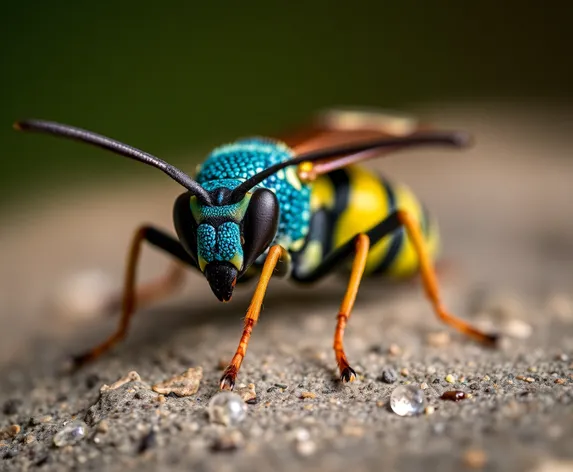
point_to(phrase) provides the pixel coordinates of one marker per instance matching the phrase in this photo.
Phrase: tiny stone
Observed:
(450, 379)
(423, 385)
(306, 448)
(227, 408)
(474, 386)
(517, 328)
(525, 379)
(247, 393)
(71, 433)
(103, 426)
(475, 458)
(181, 385)
(439, 339)
(10, 431)
(431, 370)
(380, 403)
(486, 378)
(532, 369)
(562, 357)
(389, 376)
(29, 438)
(130, 377)
(429, 410)
(407, 400)
(161, 398)
(454, 395)
(228, 441)
(404, 372)
(560, 381)
(394, 350)
(305, 395)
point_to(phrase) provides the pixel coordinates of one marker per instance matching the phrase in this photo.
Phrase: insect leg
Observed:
(158, 239)
(230, 374)
(357, 245)
(153, 291)
(430, 282)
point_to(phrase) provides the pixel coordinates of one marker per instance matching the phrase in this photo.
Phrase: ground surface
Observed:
(506, 218)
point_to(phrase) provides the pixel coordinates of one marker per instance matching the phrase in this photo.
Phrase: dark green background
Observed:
(172, 77)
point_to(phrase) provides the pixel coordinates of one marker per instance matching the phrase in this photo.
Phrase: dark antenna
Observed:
(117, 147)
(455, 139)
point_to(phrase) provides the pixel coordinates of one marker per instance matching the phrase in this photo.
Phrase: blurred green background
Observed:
(179, 78)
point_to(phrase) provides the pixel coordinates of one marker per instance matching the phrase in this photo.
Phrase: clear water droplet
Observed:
(227, 408)
(407, 400)
(71, 433)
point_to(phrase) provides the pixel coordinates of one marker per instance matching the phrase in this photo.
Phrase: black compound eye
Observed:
(259, 225)
(185, 224)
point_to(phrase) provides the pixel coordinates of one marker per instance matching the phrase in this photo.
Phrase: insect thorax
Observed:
(231, 164)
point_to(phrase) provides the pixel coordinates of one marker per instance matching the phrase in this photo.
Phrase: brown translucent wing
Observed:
(339, 127)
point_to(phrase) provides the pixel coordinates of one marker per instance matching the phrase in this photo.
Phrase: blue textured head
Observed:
(226, 238)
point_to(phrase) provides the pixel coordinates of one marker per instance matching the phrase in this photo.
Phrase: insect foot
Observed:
(348, 375)
(228, 378)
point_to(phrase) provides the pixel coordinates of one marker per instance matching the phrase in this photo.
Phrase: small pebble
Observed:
(560, 381)
(10, 431)
(423, 385)
(29, 438)
(439, 339)
(475, 458)
(389, 376)
(102, 426)
(404, 372)
(227, 408)
(130, 377)
(181, 385)
(306, 448)
(228, 441)
(450, 379)
(525, 379)
(247, 393)
(71, 433)
(407, 400)
(394, 350)
(305, 395)
(453, 395)
(429, 410)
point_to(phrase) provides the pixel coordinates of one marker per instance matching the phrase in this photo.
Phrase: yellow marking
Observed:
(292, 178)
(322, 195)
(297, 245)
(368, 205)
(311, 257)
(237, 261)
(202, 263)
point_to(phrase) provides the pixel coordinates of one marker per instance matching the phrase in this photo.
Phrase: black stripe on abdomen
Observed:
(397, 236)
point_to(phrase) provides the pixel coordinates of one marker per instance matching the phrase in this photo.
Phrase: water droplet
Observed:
(227, 408)
(71, 433)
(407, 400)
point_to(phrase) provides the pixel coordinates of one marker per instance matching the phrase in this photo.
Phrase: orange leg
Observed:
(153, 291)
(162, 241)
(362, 245)
(430, 282)
(230, 375)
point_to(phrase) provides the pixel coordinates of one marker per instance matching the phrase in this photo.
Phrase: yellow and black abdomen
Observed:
(353, 200)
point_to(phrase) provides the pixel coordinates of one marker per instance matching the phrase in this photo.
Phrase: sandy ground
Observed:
(505, 212)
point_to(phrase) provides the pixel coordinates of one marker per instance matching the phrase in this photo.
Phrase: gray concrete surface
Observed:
(505, 212)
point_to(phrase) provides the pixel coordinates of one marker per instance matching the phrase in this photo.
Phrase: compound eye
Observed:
(259, 225)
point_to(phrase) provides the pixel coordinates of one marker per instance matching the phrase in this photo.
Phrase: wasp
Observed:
(300, 206)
